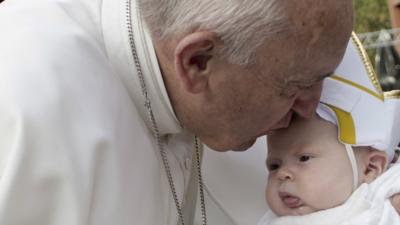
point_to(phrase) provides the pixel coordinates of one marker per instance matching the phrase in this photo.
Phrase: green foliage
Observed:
(371, 15)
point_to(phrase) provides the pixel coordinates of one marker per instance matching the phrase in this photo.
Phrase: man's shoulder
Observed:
(37, 28)
(47, 46)
(49, 66)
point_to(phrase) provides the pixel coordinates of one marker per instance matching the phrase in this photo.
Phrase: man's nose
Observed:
(307, 101)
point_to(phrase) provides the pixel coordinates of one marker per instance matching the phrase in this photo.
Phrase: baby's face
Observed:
(308, 168)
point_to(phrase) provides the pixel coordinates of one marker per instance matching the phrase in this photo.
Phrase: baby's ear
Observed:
(376, 162)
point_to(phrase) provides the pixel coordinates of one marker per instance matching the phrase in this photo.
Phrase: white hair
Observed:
(242, 25)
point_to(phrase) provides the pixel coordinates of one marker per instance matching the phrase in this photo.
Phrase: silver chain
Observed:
(156, 132)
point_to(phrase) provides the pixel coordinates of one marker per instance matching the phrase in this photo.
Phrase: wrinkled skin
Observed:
(229, 106)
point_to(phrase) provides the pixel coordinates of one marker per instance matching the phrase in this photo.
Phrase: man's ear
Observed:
(193, 55)
(376, 165)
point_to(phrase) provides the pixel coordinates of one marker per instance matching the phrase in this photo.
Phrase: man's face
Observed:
(252, 102)
(244, 103)
(304, 161)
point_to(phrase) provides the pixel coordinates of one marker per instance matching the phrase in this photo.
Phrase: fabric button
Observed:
(188, 163)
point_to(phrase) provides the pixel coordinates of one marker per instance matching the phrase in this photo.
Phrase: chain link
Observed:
(156, 132)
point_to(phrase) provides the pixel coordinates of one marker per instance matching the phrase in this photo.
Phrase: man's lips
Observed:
(283, 123)
(289, 200)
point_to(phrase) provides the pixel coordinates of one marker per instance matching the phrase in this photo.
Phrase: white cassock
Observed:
(235, 185)
(369, 204)
(76, 146)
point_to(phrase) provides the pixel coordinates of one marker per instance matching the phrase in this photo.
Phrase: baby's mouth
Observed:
(290, 201)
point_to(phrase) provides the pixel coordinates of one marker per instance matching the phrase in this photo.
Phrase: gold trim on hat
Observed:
(392, 94)
(346, 127)
(362, 88)
(367, 63)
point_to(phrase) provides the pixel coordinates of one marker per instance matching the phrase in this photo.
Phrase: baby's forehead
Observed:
(304, 129)
(303, 134)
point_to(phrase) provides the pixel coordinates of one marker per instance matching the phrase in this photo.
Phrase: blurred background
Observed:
(378, 27)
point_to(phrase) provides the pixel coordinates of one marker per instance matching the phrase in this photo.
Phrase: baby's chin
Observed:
(295, 211)
(299, 211)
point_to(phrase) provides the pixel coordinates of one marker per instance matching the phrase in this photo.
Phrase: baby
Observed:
(310, 172)
(332, 168)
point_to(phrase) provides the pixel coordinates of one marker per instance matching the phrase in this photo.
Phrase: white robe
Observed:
(368, 205)
(235, 185)
(76, 146)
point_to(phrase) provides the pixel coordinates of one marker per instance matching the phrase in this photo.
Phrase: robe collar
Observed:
(116, 40)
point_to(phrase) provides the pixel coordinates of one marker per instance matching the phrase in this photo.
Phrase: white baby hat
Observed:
(353, 100)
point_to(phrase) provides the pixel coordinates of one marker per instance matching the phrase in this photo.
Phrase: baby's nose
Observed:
(285, 174)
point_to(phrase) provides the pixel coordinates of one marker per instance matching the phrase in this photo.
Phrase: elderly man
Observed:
(102, 101)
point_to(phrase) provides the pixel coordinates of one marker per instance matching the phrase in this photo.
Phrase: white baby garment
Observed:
(368, 205)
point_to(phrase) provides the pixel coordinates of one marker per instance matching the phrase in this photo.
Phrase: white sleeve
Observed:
(10, 128)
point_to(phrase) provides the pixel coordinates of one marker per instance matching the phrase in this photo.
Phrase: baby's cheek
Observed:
(320, 199)
(272, 198)
(270, 189)
(268, 194)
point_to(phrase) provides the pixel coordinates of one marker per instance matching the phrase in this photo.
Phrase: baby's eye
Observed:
(273, 166)
(304, 158)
